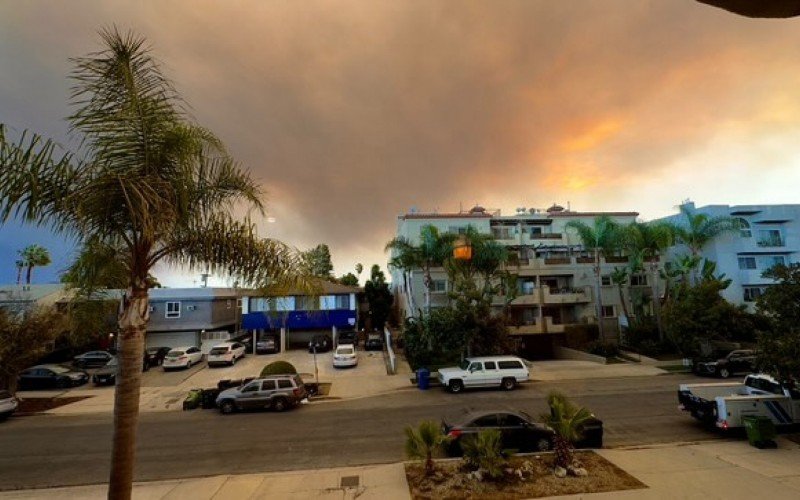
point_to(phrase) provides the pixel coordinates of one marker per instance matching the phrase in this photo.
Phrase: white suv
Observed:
(490, 371)
(226, 353)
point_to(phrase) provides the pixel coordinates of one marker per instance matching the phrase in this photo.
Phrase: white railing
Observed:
(390, 351)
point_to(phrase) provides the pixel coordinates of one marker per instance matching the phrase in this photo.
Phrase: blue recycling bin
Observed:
(423, 379)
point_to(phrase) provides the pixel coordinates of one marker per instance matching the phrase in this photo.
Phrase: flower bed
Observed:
(525, 477)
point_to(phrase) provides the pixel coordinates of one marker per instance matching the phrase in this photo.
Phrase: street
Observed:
(46, 451)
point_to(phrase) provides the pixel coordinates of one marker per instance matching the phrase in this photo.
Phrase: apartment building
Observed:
(556, 273)
(768, 235)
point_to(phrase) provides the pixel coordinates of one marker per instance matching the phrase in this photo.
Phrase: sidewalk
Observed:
(567, 369)
(714, 470)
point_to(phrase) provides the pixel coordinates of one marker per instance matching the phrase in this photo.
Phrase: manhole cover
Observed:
(350, 482)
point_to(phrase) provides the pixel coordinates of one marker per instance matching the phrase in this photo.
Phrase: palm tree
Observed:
(424, 442)
(603, 237)
(432, 251)
(34, 256)
(619, 277)
(359, 270)
(20, 265)
(150, 181)
(698, 229)
(650, 241)
(567, 421)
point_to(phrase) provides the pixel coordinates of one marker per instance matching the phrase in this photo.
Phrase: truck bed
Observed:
(709, 392)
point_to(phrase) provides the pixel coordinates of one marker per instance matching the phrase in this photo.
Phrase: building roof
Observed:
(323, 288)
(194, 293)
(32, 293)
(455, 215)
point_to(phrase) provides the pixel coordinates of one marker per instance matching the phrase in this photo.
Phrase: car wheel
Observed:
(543, 444)
(456, 386)
(227, 407)
(279, 404)
(508, 384)
(724, 373)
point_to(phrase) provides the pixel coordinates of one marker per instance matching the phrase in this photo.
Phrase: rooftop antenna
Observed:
(567, 205)
(204, 280)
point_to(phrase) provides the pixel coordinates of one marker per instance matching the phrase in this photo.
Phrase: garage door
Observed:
(171, 339)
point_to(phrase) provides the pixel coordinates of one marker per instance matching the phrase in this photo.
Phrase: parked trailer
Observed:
(725, 405)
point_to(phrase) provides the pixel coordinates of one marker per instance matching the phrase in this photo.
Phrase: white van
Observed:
(488, 371)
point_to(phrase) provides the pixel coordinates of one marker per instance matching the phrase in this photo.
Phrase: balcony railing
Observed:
(771, 242)
(551, 261)
(545, 236)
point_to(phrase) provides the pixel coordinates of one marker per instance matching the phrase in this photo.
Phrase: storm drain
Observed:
(350, 482)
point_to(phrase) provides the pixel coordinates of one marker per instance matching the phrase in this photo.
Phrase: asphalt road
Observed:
(46, 451)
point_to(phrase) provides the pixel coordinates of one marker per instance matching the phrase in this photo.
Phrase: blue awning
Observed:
(255, 321)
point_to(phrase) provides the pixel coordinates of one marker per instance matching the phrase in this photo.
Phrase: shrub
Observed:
(278, 368)
(424, 442)
(567, 420)
(601, 348)
(484, 452)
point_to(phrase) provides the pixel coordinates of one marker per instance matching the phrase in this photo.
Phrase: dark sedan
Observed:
(519, 430)
(107, 375)
(92, 359)
(739, 361)
(322, 343)
(154, 356)
(374, 342)
(50, 376)
(348, 338)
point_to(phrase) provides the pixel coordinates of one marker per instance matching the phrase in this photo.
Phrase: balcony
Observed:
(613, 259)
(545, 236)
(771, 242)
(557, 261)
(567, 296)
(525, 330)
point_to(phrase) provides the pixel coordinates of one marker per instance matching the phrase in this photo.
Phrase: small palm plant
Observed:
(484, 452)
(567, 420)
(424, 442)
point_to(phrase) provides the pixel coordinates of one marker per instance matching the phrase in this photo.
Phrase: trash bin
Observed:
(193, 399)
(423, 379)
(209, 398)
(760, 431)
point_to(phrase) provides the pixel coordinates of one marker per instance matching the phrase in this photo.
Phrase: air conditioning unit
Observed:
(151, 309)
(191, 308)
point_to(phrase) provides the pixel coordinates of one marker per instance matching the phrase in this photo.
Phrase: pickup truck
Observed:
(726, 404)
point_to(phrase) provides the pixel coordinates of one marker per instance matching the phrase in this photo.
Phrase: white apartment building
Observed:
(769, 235)
(556, 277)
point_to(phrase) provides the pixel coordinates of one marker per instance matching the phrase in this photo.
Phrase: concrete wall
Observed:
(567, 353)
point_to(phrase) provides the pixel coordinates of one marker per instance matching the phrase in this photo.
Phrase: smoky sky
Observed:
(352, 112)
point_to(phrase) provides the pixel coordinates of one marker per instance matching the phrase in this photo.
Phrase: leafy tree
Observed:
(698, 229)
(349, 279)
(146, 179)
(359, 270)
(424, 442)
(23, 339)
(619, 277)
(432, 251)
(33, 256)
(317, 261)
(567, 421)
(379, 297)
(779, 345)
(603, 237)
(484, 451)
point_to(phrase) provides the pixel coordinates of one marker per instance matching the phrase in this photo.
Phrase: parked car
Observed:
(49, 376)
(8, 405)
(226, 353)
(489, 371)
(344, 356)
(739, 361)
(350, 338)
(323, 343)
(519, 431)
(155, 355)
(182, 357)
(374, 342)
(277, 392)
(267, 345)
(92, 359)
(107, 375)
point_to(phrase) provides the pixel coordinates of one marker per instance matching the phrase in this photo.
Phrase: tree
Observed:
(619, 277)
(603, 237)
(24, 338)
(20, 265)
(359, 270)
(33, 256)
(317, 262)
(424, 442)
(146, 179)
(567, 421)
(379, 297)
(779, 345)
(434, 248)
(698, 229)
(349, 279)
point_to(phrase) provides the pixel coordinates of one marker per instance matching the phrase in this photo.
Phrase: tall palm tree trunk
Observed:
(427, 281)
(656, 297)
(133, 325)
(598, 299)
(623, 303)
(28, 274)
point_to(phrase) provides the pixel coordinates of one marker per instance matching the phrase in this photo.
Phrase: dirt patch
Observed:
(33, 406)
(451, 480)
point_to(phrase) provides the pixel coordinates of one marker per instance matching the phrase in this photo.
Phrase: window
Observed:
(268, 385)
(502, 232)
(744, 228)
(342, 302)
(438, 286)
(768, 261)
(508, 420)
(486, 421)
(475, 367)
(284, 383)
(490, 365)
(752, 293)
(608, 312)
(509, 365)
(305, 303)
(747, 262)
(534, 230)
(457, 229)
(770, 238)
(605, 280)
(639, 280)
(173, 310)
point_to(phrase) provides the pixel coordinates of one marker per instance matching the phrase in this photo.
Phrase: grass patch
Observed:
(451, 480)
(676, 368)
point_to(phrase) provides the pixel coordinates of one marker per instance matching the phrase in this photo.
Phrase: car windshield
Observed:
(59, 369)
(526, 416)
(464, 364)
(175, 354)
(218, 350)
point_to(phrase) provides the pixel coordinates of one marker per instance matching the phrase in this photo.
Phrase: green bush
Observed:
(278, 368)
(601, 348)
(484, 452)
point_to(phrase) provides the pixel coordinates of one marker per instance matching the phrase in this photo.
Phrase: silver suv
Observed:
(277, 392)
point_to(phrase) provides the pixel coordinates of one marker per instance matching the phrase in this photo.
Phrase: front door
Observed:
(474, 376)
(515, 433)
(249, 397)
(268, 388)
